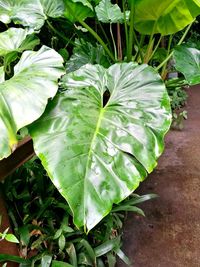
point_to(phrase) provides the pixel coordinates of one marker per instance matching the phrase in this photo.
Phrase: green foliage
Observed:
(6, 236)
(109, 13)
(44, 225)
(177, 94)
(34, 72)
(84, 53)
(93, 151)
(121, 113)
(164, 17)
(186, 56)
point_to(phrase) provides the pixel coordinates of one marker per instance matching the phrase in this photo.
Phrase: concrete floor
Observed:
(169, 236)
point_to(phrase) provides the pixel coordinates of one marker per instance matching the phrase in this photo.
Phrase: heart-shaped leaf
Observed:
(23, 98)
(165, 17)
(187, 61)
(31, 14)
(100, 137)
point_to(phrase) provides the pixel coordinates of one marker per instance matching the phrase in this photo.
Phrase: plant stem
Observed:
(62, 36)
(119, 42)
(125, 24)
(156, 47)
(113, 40)
(179, 43)
(168, 52)
(131, 29)
(98, 38)
(150, 45)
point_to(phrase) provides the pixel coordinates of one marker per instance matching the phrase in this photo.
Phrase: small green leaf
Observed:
(46, 261)
(123, 257)
(58, 234)
(11, 238)
(61, 242)
(106, 247)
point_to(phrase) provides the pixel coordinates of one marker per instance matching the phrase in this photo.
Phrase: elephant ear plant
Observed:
(98, 129)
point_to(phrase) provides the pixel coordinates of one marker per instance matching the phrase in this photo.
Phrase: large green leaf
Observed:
(14, 40)
(76, 10)
(165, 17)
(23, 98)
(109, 13)
(31, 14)
(187, 61)
(97, 153)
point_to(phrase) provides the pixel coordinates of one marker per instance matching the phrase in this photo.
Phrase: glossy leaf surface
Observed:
(109, 13)
(23, 98)
(100, 138)
(187, 61)
(15, 40)
(31, 14)
(165, 17)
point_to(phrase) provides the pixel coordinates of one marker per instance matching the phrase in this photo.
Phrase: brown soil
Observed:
(169, 236)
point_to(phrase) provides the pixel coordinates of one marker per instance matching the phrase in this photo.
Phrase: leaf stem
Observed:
(98, 38)
(113, 40)
(131, 29)
(179, 43)
(62, 36)
(125, 24)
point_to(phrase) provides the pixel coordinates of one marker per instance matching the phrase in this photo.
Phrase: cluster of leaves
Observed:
(100, 131)
(178, 96)
(43, 223)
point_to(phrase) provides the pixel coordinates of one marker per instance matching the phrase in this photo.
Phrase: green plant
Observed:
(103, 132)
(45, 229)
(7, 236)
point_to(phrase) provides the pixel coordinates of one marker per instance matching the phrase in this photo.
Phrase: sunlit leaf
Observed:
(165, 17)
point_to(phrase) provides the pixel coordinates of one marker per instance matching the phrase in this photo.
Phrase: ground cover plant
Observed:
(86, 79)
(43, 224)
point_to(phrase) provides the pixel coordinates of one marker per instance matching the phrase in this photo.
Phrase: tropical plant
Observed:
(103, 131)
(45, 229)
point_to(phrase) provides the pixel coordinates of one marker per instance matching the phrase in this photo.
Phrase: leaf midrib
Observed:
(102, 111)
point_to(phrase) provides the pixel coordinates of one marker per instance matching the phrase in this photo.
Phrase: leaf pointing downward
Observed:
(23, 98)
(97, 154)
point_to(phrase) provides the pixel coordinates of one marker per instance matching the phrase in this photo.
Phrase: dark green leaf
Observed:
(84, 53)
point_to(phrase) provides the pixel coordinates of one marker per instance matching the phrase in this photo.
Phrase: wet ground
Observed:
(169, 236)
